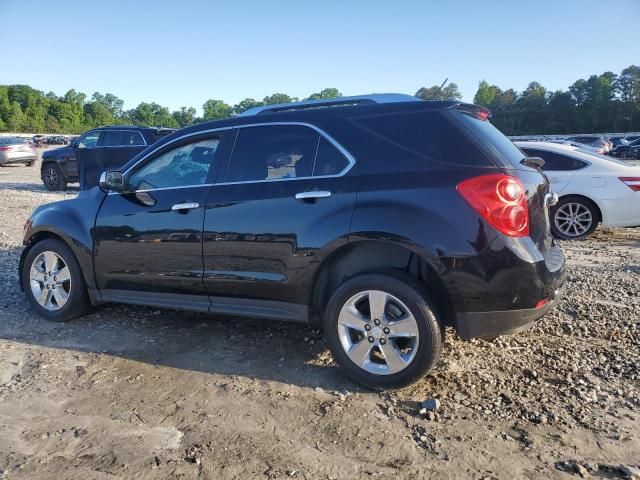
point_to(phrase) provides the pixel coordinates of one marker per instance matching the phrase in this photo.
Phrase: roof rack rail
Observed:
(333, 102)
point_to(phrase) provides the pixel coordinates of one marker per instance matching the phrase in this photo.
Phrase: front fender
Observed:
(71, 221)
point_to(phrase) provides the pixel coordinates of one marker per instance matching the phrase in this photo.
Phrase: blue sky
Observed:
(181, 53)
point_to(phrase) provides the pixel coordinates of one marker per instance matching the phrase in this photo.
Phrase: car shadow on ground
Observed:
(290, 353)
(36, 187)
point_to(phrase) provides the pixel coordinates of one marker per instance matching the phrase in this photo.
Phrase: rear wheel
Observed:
(53, 281)
(574, 218)
(382, 329)
(53, 178)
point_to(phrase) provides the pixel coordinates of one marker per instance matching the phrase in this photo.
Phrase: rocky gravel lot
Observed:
(130, 392)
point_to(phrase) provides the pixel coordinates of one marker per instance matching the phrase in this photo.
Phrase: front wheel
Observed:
(382, 329)
(53, 178)
(53, 281)
(574, 218)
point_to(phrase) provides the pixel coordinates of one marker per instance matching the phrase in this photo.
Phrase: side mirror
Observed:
(111, 181)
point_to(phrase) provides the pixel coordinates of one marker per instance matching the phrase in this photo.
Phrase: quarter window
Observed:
(183, 166)
(329, 160)
(273, 153)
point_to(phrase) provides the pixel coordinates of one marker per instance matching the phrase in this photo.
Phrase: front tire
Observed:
(53, 281)
(53, 177)
(574, 218)
(382, 330)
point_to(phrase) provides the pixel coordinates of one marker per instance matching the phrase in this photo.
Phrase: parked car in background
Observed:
(583, 146)
(593, 141)
(96, 150)
(591, 188)
(385, 217)
(17, 150)
(630, 150)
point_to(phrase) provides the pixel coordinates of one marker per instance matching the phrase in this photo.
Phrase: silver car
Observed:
(17, 150)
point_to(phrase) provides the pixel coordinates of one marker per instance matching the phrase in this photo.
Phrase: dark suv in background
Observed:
(95, 151)
(384, 217)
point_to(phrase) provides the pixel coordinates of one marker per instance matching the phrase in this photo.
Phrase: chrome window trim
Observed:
(144, 140)
(324, 134)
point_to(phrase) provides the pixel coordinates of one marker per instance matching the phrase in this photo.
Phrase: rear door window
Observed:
(122, 138)
(274, 152)
(555, 161)
(329, 160)
(428, 134)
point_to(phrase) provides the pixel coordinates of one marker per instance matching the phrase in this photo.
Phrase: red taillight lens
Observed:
(542, 303)
(632, 182)
(4, 149)
(500, 199)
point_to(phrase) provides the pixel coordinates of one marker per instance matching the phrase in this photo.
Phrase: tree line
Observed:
(606, 102)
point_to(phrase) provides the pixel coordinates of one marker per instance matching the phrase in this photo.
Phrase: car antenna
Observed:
(439, 89)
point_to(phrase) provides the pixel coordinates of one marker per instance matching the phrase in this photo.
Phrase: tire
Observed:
(579, 210)
(53, 177)
(423, 350)
(30, 164)
(77, 301)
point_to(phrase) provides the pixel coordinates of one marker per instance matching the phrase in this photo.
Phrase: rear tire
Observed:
(390, 352)
(53, 177)
(53, 281)
(574, 218)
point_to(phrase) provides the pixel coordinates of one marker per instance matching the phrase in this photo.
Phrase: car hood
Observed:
(58, 152)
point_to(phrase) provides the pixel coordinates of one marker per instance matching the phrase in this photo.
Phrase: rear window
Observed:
(427, 134)
(554, 161)
(492, 139)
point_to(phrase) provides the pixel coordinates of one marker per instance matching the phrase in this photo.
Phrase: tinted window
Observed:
(329, 160)
(121, 138)
(272, 152)
(180, 167)
(428, 134)
(89, 140)
(555, 161)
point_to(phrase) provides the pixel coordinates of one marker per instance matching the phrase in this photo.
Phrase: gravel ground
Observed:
(145, 393)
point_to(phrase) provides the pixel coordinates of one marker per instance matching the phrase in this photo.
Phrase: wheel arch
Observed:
(585, 197)
(367, 256)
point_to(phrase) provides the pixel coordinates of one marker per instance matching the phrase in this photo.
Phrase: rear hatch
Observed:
(475, 122)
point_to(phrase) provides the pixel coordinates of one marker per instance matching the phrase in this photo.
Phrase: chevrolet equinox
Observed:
(383, 217)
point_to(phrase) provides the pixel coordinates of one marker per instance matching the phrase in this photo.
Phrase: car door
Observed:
(114, 149)
(285, 201)
(148, 241)
(83, 148)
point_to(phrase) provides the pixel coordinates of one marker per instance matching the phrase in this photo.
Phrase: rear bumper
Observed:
(490, 324)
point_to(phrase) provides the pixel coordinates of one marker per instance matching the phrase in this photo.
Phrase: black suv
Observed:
(95, 151)
(384, 217)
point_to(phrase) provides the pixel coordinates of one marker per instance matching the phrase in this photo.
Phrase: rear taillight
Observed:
(632, 182)
(500, 199)
(4, 149)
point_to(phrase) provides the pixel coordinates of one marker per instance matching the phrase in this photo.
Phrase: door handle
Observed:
(184, 206)
(313, 194)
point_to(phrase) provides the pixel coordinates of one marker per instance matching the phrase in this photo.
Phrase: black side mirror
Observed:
(112, 181)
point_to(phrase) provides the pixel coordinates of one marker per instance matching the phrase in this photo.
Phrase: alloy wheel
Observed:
(51, 177)
(50, 281)
(378, 332)
(573, 219)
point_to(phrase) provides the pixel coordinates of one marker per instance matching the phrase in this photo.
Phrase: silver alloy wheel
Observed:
(51, 177)
(378, 332)
(50, 281)
(573, 219)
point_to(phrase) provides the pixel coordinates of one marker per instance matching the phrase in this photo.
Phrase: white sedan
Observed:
(591, 188)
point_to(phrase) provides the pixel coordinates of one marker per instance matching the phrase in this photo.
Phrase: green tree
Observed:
(185, 116)
(449, 92)
(278, 98)
(486, 94)
(324, 94)
(216, 110)
(245, 105)
(628, 87)
(16, 118)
